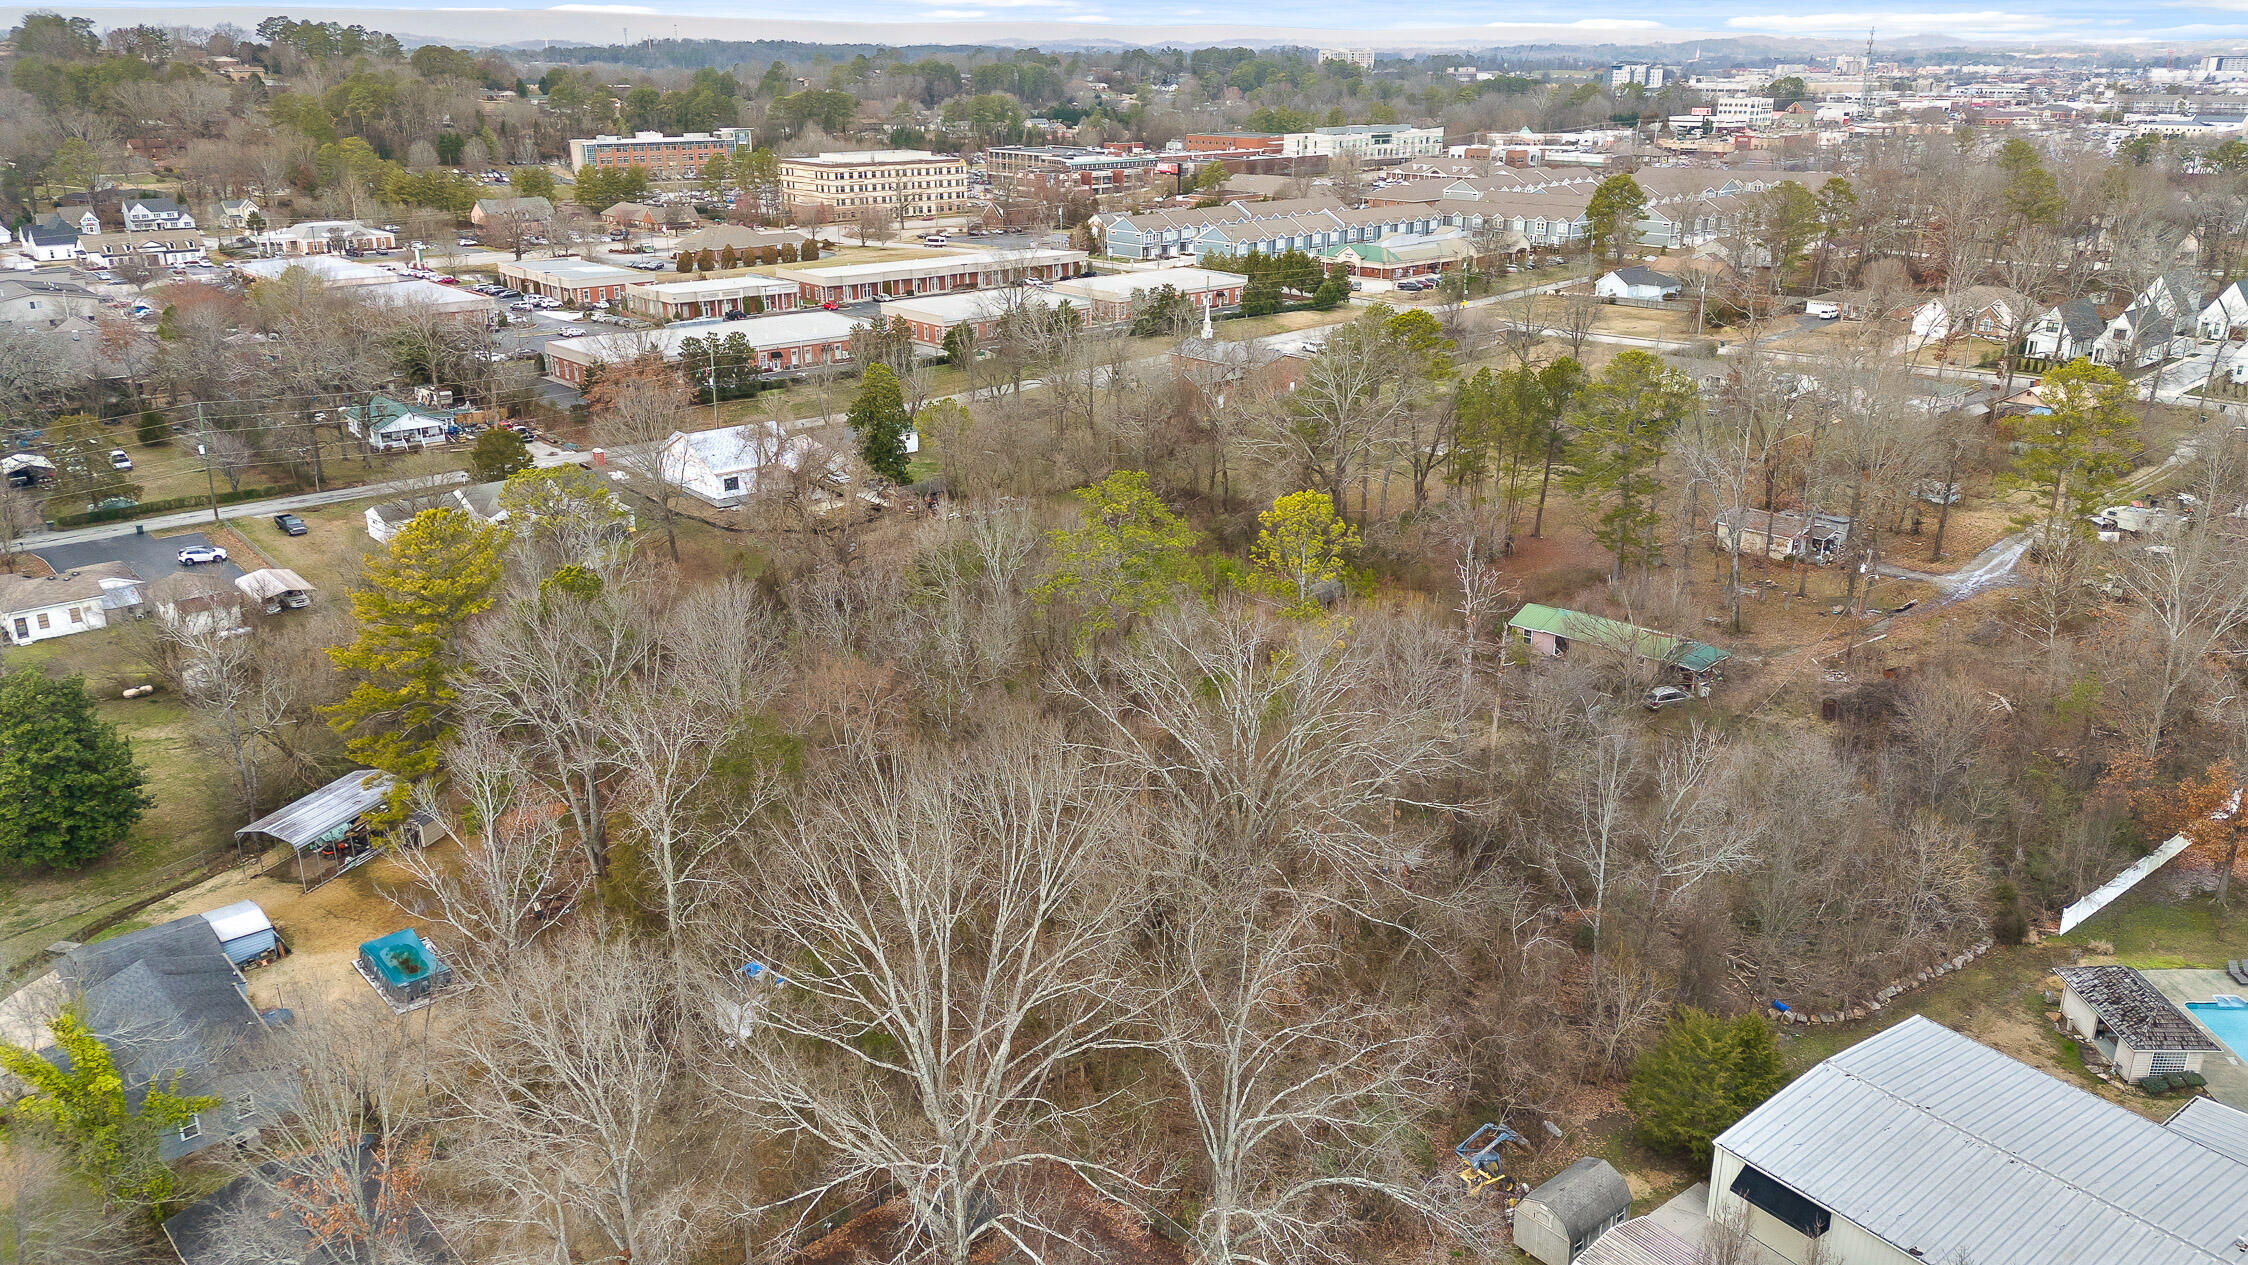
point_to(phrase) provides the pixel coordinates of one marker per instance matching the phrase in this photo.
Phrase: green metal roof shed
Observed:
(1549, 629)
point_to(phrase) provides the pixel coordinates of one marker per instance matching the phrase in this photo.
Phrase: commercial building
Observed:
(1744, 111)
(1354, 56)
(575, 281)
(1079, 166)
(794, 340)
(909, 183)
(1232, 142)
(663, 157)
(983, 311)
(326, 237)
(941, 274)
(751, 292)
(1919, 1145)
(1367, 141)
(1109, 296)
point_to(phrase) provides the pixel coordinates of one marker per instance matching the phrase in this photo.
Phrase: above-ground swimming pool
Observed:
(2228, 1019)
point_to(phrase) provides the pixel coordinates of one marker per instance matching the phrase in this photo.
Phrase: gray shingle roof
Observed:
(1950, 1150)
(2135, 1010)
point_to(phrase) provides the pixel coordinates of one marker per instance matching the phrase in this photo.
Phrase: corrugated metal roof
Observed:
(1614, 634)
(1640, 1241)
(332, 805)
(1950, 1150)
(2214, 1125)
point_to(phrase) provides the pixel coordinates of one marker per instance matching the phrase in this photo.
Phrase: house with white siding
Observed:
(40, 608)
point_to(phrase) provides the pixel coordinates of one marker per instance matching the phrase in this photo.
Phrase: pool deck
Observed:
(2227, 1075)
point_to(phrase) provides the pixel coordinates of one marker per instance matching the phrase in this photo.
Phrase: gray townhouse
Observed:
(1172, 234)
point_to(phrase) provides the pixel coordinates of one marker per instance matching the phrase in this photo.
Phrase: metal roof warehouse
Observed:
(1922, 1145)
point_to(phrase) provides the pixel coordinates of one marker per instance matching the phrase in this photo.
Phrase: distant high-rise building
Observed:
(1355, 56)
(2232, 66)
(1643, 74)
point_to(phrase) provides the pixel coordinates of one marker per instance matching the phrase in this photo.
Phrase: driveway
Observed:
(150, 557)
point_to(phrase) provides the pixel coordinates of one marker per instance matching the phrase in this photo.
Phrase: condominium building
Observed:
(1373, 140)
(663, 157)
(1363, 57)
(1643, 74)
(910, 183)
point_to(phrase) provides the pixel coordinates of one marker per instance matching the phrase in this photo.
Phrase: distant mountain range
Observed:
(617, 25)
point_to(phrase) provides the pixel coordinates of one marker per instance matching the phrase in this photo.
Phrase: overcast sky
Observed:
(2155, 22)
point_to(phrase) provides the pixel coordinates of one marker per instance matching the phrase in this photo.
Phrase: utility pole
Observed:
(203, 447)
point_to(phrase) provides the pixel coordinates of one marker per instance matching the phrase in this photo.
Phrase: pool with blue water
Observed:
(2229, 1020)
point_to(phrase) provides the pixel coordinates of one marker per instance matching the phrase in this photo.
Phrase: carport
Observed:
(327, 832)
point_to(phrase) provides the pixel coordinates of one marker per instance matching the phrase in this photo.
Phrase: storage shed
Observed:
(244, 932)
(2130, 1022)
(1557, 1221)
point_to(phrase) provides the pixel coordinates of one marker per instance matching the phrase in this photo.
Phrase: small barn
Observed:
(244, 932)
(1559, 1219)
(1553, 631)
(328, 831)
(2130, 1022)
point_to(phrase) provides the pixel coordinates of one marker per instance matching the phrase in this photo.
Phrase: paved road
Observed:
(39, 541)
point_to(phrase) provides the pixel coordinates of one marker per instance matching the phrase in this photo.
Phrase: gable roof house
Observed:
(1988, 312)
(1782, 535)
(2226, 316)
(237, 212)
(154, 215)
(52, 241)
(479, 501)
(728, 465)
(388, 424)
(2157, 320)
(1918, 1145)
(488, 210)
(1637, 283)
(36, 608)
(2067, 332)
(167, 1000)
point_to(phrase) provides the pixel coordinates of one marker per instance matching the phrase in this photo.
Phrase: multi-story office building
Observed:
(1744, 111)
(663, 157)
(910, 183)
(1355, 56)
(1372, 140)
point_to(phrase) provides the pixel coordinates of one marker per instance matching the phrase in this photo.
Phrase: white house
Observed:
(2158, 320)
(480, 502)
(1987, 312)
(2067, 332)
(1918, 1145)
(2226, 316)
(1636, 283)
(728, 465)
(154, 215)
(51, 242)
(390, 425)
(238, 211)
(42, 607)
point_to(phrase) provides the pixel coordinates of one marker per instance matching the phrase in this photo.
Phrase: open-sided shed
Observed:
(276, 589)
(326, 832)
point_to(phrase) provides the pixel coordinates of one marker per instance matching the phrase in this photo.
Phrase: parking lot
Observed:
(150, 557)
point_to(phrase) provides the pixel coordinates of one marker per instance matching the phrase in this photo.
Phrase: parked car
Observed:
(832, 306)
(290, 524)
(1666, 696)
(197, 555)
(118, 460)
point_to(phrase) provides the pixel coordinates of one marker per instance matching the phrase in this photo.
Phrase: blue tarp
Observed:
(400, 958)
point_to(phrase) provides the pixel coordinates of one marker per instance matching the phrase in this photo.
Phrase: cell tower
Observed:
(1865, 82)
